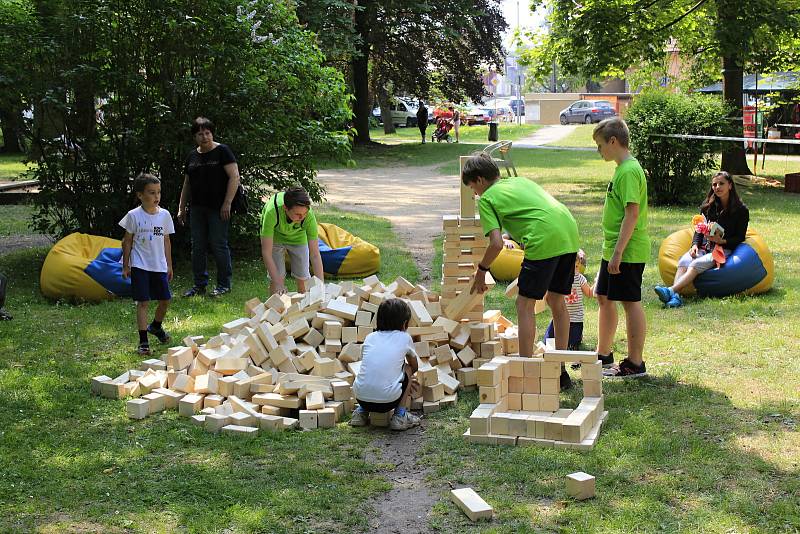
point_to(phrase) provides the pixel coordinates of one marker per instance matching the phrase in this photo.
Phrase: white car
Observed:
(404, 112)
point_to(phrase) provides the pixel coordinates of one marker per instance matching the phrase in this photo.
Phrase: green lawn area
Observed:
(477, 133)
(11, 167)
(708, 443)
(580, 137)
(15, 219)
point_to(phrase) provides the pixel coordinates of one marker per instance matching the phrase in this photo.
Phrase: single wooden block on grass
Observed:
(581, 485)
(138, 408)
(471, 504)
(242, 431)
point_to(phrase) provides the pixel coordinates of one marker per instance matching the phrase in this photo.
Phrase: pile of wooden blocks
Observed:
(291, 360)
(464, 246)
(520, 402)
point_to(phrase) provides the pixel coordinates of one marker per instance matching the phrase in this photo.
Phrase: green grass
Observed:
(12, 167)
(404, 148)
(708, 443)
(580, 137)
(15, 219)
(72, 462)
(686, 450)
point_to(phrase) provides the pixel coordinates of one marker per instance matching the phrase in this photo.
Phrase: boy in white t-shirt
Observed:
(147, 257)
(388, 362)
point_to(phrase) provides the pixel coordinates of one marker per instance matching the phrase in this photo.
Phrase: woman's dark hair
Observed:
(479, 164)
(202, 123)
(141, 181)
(393, 314)
(296, 196)
(734, 202)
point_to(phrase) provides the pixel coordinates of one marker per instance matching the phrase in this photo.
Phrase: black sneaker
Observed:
(159, 332)
(565, 381)
(219, 291)
(195, 291)
(144, 349)
(625, 369)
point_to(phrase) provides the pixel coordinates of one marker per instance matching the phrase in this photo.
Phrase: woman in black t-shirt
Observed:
(209, 185)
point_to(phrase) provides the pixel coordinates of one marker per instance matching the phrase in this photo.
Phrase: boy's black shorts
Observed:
(149, 285)
(625, 286)
(383, 407)
(555, 274)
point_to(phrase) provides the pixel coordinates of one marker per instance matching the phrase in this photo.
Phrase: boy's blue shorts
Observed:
(147, 285)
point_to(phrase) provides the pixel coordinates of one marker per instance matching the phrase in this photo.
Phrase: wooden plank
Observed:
(471, 504)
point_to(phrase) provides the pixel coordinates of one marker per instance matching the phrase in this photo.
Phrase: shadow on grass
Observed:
(667, 459)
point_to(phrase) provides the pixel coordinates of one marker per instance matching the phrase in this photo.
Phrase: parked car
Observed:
(477, 115)
(518, 106)
(404, 112)
(587, 111)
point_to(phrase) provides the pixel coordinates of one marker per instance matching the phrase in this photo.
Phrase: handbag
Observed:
(239, 203)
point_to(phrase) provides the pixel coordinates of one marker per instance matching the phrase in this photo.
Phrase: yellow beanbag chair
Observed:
(750, 269)
(86, 267)
(507, 265)
(345, 255)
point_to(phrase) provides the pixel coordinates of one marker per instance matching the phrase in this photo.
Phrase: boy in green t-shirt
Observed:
(288, 224)
(549, 235)
(626, 248)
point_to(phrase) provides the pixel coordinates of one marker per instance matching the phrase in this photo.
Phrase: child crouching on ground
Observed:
(574, 302)
(387, 364)
(147, 257)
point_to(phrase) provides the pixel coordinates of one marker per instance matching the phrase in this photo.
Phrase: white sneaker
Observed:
(359, 418)
(403, 422)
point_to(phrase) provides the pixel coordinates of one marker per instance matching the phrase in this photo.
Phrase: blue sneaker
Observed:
(675, 302)
(664, 293)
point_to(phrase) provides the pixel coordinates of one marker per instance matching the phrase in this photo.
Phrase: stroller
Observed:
(442, 132)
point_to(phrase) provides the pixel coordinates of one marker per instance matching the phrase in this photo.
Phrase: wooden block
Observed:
(532, 367)
(512, 290)
(153, 363)
(510, 343)
(551, 369)
(489, 375)
(308, 419)
(242, 419)
(530, 402)
(419, 314)
(550, 386)
(430, 406)
(592, 388)
(332, 330)
(433, 393)
(235, 326)
(229, 366)
(467, 376)
(548, 403)
(324, 367)
(349, 334)
(215, 422)
(580, 485)
(531, 385)
(190, 404)
(481, 332)
(592, 371)
(184, 383)
(466, 356)
(156, 401)
(138, 408)
(363, 332)
(427, 375)
(466, 301)
(515, 384)
(449, 383)
(180, 359)
(326, 418)
(314, 337)
(276, 399)
(315, 401)
(570, 356)
(241, 431)
(514, 401)
(342, 309)
(490, 394)
(460, 337)
(380, 419)
(553, 427)
(350, 353)
(471, 504)
(269, 422)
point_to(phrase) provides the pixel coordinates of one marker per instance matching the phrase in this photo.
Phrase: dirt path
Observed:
(412, 198)
(548, 134)
(404, 509)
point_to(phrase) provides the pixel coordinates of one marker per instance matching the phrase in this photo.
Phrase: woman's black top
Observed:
(734, 222)
(208, 181)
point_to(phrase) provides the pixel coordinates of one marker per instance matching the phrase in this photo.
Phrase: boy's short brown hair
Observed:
(613, 127)
(481, 165)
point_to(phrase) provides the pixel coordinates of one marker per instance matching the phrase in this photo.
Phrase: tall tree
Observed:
(17, 29)
(415, 45)
(120, 101)
(595, 37)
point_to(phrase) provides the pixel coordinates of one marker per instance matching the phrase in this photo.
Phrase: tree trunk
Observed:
(12, 127)
(360, 65)
(386, 112)
(734, 159)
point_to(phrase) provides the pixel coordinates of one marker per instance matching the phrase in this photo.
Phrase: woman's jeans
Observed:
(210, 233)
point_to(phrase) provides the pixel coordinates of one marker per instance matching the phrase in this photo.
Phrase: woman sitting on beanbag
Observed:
(723, 207)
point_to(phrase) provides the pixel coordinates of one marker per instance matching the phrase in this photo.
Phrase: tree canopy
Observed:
(416, 46)
(596, 37)
(116, 86)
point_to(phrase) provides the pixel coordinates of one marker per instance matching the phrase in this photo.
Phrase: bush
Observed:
(678, 170)
(149, 67)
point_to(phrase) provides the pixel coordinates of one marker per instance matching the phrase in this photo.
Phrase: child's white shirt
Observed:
(574, 300)
(148, 231)
(381, 374)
